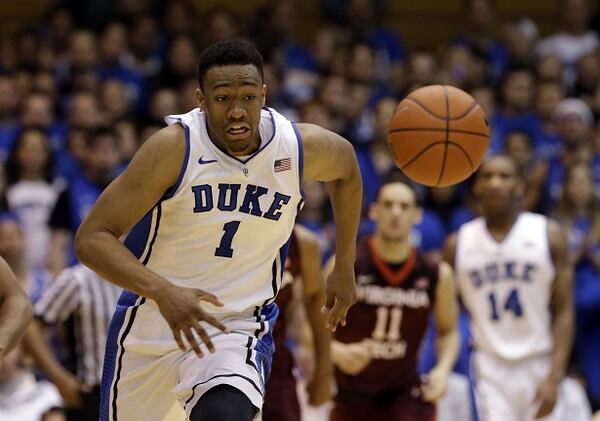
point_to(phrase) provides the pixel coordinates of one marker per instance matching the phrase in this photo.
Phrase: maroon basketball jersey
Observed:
(391, 317)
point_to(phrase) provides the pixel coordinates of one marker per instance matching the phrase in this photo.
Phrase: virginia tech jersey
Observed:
(390, 317)
(225, 226)
(506, 286)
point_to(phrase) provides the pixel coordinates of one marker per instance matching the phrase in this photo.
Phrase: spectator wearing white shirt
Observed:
(31, 193)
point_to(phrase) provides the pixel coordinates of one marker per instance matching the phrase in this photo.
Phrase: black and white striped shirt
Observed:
(80, 293)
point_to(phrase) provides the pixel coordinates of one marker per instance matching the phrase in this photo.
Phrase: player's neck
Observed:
(391, 250)
(499, 224)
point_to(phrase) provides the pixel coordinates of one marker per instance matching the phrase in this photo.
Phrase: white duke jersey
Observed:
(506, 287)
(225, 226)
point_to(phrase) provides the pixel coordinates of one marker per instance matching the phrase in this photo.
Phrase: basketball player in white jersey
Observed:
(516, 283)
(210, 202)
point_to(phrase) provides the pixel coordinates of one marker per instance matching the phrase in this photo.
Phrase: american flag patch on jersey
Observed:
(284, 164)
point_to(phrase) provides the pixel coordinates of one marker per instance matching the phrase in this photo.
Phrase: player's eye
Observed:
(221, 98)
(250, 97)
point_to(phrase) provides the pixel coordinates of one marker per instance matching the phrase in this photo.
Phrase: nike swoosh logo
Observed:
(202, 161)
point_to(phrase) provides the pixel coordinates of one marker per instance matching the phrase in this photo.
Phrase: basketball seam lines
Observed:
(431, 145)
(441, 117)
(421, 129)
(443, 168)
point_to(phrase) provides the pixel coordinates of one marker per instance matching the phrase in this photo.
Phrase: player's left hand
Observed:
(434, 384)
(341, 295)
(546, 397)
(319, 388)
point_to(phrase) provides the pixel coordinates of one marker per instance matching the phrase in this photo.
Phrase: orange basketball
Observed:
(438, 135)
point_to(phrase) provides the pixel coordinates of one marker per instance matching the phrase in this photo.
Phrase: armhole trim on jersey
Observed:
(549, 249)
(300, 159)
(173, 189)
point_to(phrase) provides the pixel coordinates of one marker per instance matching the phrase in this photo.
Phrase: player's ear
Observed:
(418, 215)
(264, 95)
(476, 189)
(373, 211)
(520, 188)
(200, 98)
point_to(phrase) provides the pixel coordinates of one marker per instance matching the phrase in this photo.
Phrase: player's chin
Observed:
(496, 198)
(395, 235)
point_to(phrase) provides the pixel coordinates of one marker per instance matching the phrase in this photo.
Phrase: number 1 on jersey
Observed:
(224, 249)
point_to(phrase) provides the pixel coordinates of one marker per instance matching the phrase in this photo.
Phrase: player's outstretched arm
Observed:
(15, 310)
(154, 169)
(330, 158)
(447, 336)
(319, 388)
(563, 318)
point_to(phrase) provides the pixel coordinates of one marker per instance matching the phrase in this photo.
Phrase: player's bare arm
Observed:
(447, 336)
(350, 358)
(37, 346)
(562, 318)
(449, 250)
(125, 201)
(329, 157)
(15, 310)
(314, 298)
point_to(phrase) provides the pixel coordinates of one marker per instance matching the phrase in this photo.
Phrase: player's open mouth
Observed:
(238, 132)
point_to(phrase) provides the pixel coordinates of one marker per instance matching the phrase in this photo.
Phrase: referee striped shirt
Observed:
(80, 293)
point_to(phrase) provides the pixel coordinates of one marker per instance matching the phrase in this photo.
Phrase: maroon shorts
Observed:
(399, 405)
(281, 399)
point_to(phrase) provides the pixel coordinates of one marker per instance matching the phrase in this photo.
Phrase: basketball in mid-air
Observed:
(438, 135)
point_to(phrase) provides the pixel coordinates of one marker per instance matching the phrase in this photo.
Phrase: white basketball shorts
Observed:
(145, 373)
(506, 390)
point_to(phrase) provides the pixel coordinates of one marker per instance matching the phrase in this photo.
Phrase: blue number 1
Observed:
(224, 249)
(512, 304)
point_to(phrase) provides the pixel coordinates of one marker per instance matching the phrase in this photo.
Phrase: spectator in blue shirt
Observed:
(579, 212)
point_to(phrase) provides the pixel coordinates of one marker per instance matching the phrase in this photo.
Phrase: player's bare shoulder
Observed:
(326, 154)
(557, 240)
(167, 146)
(449, 250)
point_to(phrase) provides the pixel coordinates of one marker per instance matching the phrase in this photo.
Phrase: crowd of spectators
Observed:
(82, 89)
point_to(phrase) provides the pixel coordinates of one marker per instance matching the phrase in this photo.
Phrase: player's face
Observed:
(498, 185)
(232, 97)
(395, 212)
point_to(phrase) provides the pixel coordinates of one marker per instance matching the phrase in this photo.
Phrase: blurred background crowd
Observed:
(84, 84)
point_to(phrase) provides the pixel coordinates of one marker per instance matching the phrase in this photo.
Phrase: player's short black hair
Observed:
(225, 53)
(499, 156)
(396, 176)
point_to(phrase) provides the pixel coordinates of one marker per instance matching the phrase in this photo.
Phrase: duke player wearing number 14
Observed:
(210, 202)
(516, 283)
(376, 353)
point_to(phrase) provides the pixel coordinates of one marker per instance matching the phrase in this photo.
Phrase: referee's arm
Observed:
(58, 301)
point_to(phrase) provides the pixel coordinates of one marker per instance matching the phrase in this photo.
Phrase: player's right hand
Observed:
(181, 309)
(350, 358)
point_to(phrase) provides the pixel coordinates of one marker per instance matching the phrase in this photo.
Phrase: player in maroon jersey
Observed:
(376, 353)
(304, 264)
